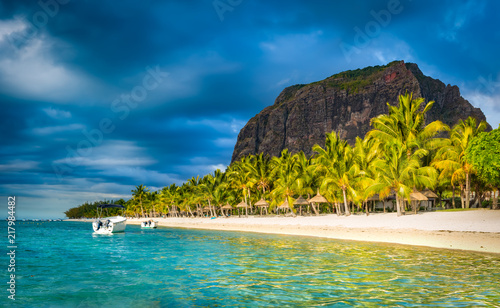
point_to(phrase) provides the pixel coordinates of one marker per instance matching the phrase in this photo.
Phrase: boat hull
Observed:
(109, 225)
(149, 224)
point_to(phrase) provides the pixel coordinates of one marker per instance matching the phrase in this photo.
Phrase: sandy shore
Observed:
(477, 230)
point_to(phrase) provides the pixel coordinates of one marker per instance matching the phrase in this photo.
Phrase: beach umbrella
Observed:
(431, 195)
(317, 199)
(300, 202)
(262, 204)
(227, 207)
(417, 196)
(244, 205)
(284, 206)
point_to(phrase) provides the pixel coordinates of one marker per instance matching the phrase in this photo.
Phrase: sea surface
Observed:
(62, 264)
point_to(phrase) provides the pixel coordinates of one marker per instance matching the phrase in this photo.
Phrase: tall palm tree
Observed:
(401, 173)
(406, 123)
(259, 171)
(140, 193)
(450, 158)
(238, 176)
(405, 127)
(285, 173)
(337, 166)
(366, 156)
(209, 187)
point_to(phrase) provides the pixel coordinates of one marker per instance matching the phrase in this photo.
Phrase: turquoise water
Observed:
(61, 264)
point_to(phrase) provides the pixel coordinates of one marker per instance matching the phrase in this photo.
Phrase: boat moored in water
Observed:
(109, 225)
(150, 224)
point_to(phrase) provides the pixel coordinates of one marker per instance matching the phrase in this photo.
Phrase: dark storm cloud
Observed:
(86, 61)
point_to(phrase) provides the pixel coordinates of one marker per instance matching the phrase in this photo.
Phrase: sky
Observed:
(100, 96)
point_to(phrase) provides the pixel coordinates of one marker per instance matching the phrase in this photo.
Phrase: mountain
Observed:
(345, 103)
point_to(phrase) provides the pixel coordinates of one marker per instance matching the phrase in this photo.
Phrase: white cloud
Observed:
(49, 130)
(220, 125)
(57, 113)
(110, 156)
(18, 165)
(31, 70)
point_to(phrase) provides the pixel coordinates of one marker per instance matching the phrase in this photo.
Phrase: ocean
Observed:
(62, 264)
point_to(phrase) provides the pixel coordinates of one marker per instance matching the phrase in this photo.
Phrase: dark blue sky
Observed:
(100, 96)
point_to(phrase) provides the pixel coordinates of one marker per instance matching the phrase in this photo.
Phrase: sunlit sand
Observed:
(475, 230)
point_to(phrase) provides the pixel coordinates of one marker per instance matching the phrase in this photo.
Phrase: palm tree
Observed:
(209, 186)
(366, 156)
(450, 158)
(337, 166)
(238, 176)
(259, 171)
(402, 173)
(140, 193)
(285, 173)
(404, 127)
(406, 123)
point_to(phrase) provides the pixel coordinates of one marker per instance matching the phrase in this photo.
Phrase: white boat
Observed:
(109, 225)
(150, 224)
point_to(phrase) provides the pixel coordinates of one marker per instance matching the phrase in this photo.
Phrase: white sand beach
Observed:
(474, 230)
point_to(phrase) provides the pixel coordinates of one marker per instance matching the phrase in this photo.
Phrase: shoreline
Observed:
(476, 230)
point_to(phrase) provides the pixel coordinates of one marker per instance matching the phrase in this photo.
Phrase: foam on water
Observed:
(61, 264)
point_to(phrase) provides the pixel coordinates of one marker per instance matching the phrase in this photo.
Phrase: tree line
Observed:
(401, 154)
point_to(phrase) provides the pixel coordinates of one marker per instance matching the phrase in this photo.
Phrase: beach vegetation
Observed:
(400, 157)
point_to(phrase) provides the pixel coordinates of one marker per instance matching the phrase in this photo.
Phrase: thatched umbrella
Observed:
(206, 209)
(227, 207)
(431, 195)
(284, 206)
(262, 204)
(242, 204)
(317, 199)
(417, 196)
(300, 202)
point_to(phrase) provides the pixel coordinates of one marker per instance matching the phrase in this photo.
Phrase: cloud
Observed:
(56, 113)
(49, 130)
(19, 165)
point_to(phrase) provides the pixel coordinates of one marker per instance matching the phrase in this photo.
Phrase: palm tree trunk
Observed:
(142, 209)
(398, 205)
(366, 207)
(313, 205)
(453, 197)
(495, 200)
(347, 213)
(467, 191)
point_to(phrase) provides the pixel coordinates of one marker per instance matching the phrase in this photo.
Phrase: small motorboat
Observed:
(109, 225)
(150, 224)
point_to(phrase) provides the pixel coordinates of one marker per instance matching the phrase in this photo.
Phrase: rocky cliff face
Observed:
(345, 103)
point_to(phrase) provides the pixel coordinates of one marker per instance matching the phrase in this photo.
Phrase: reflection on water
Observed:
(62, 264)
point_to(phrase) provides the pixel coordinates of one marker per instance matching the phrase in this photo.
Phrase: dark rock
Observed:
(345, 103)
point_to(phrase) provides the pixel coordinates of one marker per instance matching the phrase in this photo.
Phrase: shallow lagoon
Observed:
(61, 264)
